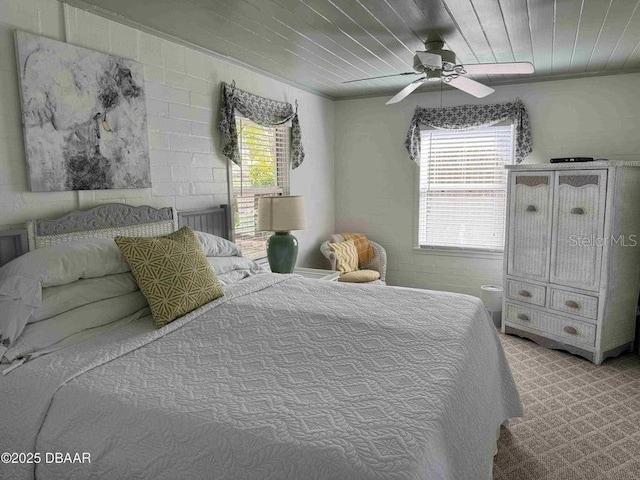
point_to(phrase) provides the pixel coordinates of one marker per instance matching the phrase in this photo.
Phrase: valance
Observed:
(263, 111)
(465, 117)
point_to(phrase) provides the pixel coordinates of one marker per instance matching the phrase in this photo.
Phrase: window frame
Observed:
(454, 250)
(256, 191)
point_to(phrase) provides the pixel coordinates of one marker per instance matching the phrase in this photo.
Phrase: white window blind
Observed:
(463, 187)
(264, 172)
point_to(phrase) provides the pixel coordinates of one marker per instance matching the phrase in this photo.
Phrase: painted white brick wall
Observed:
(591, 116)
(182, 89)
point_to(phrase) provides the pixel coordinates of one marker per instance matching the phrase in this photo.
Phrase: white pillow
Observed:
(60, 299)
(86, 319)
(222, 265)
(232, 269)
(14, 315)
(214, 246)
(23, 279)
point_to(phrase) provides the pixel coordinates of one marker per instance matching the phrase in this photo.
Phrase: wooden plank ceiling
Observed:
(318, 44)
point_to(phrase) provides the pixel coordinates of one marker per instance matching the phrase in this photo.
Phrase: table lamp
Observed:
(281, 214)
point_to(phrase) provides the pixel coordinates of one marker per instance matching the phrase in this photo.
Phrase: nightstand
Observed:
(317, 273)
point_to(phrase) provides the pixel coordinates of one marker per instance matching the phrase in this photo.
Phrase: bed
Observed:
(281, 378)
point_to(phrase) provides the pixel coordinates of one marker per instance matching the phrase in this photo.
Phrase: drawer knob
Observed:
(531, 208)
(577, 211)
(523, 317)
(572, 304)
(524, 293)
(570, 330)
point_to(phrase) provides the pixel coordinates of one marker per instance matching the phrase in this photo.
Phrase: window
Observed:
(463, 187)
(264, 171)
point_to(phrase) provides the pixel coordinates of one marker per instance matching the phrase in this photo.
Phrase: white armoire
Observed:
(572, 256)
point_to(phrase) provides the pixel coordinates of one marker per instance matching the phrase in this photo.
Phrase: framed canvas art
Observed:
(84, 117)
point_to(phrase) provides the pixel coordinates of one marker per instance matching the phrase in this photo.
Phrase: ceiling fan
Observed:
(437, 64)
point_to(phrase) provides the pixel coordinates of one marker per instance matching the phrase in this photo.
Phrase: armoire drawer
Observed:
(526, 292)
(543, 323)
(575, 303)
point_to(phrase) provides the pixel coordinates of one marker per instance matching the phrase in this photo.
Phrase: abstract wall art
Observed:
(84, 117)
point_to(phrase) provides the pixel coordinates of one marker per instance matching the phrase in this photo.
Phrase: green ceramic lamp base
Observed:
(282, 252)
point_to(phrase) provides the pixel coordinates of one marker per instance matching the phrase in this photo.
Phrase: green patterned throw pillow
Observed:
(172, 273)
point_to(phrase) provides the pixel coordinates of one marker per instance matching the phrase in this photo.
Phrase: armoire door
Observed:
(578, 220)
(530, 208)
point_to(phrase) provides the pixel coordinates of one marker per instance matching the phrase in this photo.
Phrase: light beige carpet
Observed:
(582, 422)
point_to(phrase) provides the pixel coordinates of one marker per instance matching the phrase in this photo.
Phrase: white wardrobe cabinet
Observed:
(572, 256)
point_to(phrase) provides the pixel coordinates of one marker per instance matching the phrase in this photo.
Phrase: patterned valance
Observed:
(465, 117)
(263, 111)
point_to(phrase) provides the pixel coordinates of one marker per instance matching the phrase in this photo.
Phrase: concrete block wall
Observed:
(182, 87)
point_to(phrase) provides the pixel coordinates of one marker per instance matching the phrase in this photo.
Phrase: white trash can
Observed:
(491, 296)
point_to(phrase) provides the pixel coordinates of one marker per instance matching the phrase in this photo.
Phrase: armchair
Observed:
(377, 263)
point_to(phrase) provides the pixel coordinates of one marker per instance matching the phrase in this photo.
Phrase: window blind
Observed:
(463, 187)
(264, 171)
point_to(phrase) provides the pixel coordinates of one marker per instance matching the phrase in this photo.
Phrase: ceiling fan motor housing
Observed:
(448, 57)
(426, 61)
(433, 58)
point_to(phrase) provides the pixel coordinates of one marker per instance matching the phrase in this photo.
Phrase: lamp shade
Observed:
(281, 214)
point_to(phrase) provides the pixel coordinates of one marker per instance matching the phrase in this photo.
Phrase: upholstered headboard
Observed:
(108, 221)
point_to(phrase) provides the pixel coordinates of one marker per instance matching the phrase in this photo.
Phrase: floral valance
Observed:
(465, 117)
(263, 111)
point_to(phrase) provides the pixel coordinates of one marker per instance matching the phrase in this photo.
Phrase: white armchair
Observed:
(377, 263)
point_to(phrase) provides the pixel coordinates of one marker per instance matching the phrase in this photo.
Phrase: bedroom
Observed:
(357, 175)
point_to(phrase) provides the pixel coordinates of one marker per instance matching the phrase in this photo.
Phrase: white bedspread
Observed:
(283, 378)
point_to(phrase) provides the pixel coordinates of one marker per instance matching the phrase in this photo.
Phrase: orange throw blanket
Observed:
(365, 250)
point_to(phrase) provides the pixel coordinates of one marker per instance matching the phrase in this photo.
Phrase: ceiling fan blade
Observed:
(517, 68)
(383, 76)
(406, 91)
(472, 87)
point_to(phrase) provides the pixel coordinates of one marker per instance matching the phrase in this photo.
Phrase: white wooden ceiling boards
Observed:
(318, 44)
